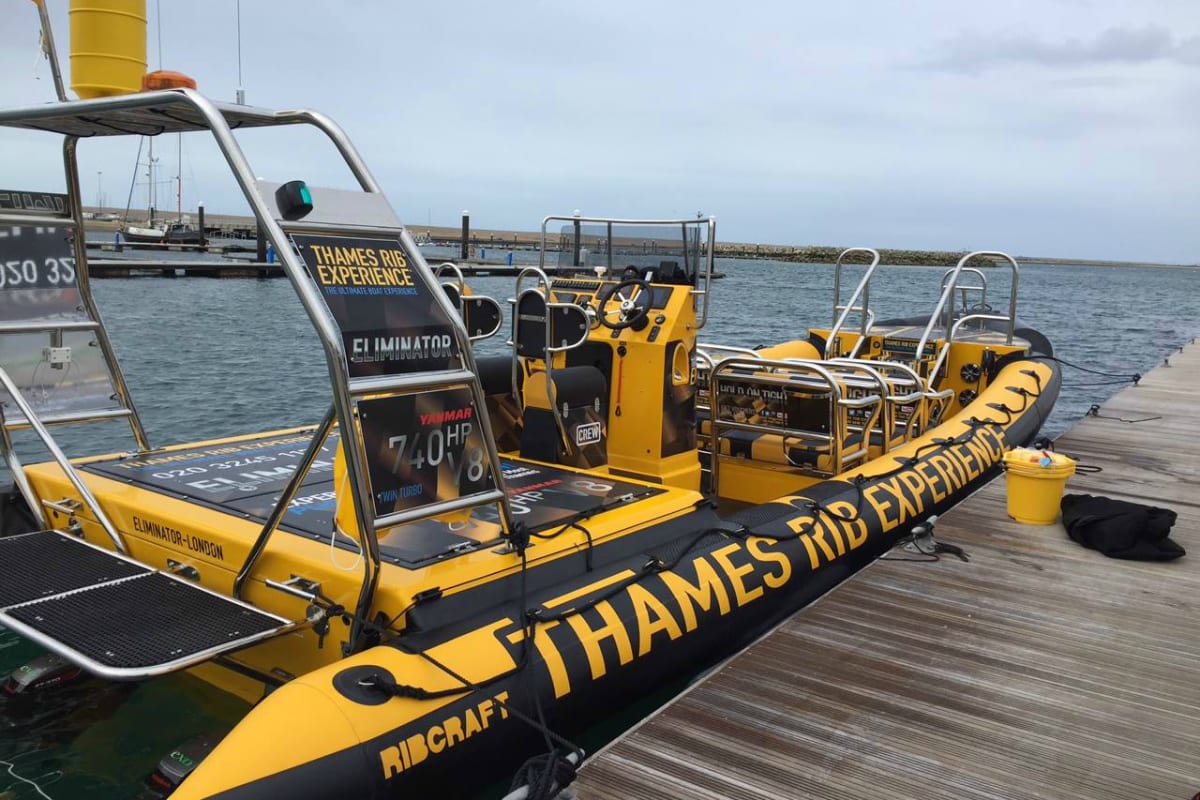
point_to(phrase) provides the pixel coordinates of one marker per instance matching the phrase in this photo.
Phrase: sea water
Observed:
(207, 358)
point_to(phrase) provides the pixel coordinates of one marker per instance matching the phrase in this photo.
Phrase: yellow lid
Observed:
(1028, 461)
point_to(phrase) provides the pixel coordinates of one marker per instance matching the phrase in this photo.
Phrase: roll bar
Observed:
(153, 113)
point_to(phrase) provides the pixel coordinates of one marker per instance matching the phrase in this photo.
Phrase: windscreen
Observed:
(668, 253)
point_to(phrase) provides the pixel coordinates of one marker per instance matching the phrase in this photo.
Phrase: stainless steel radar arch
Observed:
(151, 113)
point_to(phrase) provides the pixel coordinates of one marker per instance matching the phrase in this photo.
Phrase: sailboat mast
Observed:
(150, 182)
(179, 178)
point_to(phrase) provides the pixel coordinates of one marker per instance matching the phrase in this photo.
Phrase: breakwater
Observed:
(238, 233)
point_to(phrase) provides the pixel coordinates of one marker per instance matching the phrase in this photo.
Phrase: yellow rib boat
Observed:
(470, 559)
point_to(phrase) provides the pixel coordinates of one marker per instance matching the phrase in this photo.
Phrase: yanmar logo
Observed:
(587, 434)
(451, 415)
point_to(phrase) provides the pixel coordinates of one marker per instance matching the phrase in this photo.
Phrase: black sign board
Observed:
(37, 274)
(542, 496)
(50, 203)
(390, 320)
(243, 477)
(423, 448)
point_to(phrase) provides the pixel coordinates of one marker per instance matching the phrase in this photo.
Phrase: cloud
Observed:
(972, 52)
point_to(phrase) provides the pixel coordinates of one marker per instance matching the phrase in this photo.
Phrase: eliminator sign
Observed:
(390, 320)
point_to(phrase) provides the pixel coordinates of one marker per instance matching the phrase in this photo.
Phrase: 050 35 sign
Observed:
(50, 273)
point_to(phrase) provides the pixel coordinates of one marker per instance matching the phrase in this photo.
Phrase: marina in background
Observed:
(236, 237)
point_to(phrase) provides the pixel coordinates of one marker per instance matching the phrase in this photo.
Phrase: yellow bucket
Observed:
(108, 47)
(1036, 480)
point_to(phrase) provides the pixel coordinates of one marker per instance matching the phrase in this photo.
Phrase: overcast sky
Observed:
(1068, 128)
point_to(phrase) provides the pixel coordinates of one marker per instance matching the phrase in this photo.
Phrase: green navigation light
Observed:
(294, 200)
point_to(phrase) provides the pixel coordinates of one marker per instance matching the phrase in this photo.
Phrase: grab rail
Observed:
(883, 416)
(948, 290)
(61, 459)
(782, 373)
(544, 282)
(549, 348)
(866, 318)
(458, 275)
(981, 288)
(958, 323)
(921, 395)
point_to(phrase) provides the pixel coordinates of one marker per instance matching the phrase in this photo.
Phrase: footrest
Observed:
(114, 617)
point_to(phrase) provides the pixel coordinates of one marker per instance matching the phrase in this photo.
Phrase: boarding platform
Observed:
(113, 616)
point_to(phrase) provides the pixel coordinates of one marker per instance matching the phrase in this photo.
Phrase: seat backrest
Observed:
(581, 396)
(529, 325)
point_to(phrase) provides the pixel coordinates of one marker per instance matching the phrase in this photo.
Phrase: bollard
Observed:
(260, 249)
(575, 245)
(466, 232)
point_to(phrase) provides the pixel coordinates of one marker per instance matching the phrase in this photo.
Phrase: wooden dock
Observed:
(1039, 669)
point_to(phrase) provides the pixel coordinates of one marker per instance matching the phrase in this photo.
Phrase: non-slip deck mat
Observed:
(145, 621)
(45, 563)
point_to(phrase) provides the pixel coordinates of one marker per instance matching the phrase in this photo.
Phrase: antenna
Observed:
(51, 54)
(241, 93)
(158, 20)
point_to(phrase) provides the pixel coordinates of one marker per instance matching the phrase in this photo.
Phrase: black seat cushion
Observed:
(583, 391)
(580, 386)
(495, 374)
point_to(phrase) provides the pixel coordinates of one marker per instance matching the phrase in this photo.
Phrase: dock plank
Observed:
(1039, 669)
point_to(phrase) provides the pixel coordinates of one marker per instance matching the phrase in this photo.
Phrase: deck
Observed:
(1039, 669)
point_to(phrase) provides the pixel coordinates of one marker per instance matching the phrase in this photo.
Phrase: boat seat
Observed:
(115, 617)
(495, 377)
(495, 374)
(875, 443)
(667, 272)
(581, 394)
(809, 453)
(825, 406)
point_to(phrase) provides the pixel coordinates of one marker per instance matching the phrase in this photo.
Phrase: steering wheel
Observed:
(634, 296)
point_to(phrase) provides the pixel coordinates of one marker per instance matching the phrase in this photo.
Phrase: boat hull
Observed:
(136, 235)
(604, 638)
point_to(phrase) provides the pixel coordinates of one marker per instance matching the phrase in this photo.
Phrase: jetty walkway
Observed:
(1038, 669)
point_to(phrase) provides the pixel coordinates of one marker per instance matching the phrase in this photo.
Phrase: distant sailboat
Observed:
(181, 231)
(151, 231)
